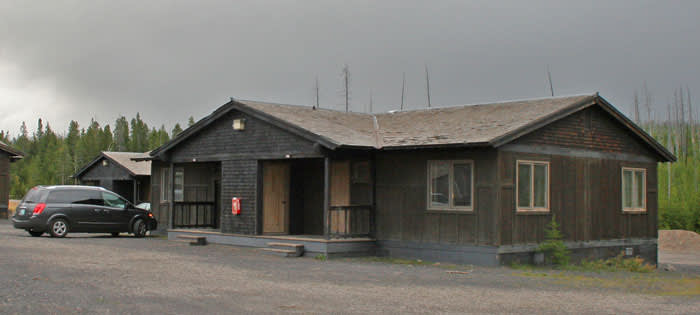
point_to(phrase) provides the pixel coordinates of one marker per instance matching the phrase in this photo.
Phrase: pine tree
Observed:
(176, 130)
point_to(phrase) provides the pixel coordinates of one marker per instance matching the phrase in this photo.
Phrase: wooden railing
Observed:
(195, 214)
(351, 221)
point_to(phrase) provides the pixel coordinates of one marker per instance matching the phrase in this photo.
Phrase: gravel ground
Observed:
(104, 275)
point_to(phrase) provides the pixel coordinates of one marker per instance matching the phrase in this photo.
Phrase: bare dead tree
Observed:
(317, 89)
(427, 84)
(549, 78)
(403, 89)
(346, 86)
(636, 107)
(371, 110)
(647, 100)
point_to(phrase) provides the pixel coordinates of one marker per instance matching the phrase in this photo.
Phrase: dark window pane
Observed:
(35, 195)
(88, 197)
(541, 186)
(439, 183)
(639, 181)
(524, 183)
(462, 187)
(61, 196)
(627, 189)
(179, 192)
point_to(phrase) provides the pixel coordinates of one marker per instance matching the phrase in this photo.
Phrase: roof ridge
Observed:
(489, 103)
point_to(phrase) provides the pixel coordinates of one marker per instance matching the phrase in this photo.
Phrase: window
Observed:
(87, 197)
(165, 184)
(179, 192)
(532, 181)
(114, 201)
(450, 185)
(634, 187)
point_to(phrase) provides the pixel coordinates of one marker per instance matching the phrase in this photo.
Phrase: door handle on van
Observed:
(96, 210)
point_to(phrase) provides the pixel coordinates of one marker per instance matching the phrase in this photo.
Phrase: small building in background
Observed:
(120, 172)
(7, 156)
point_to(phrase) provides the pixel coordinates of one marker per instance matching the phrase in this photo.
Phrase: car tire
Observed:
(58, 228)
(139, 228)
(35, 234)
(115, 234)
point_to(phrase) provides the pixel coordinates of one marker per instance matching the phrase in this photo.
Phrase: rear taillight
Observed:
(39, 208)
(150, 215)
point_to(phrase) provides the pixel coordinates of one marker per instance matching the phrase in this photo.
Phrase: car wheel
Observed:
(58, 228)
(35, 234)
(139, 228)
(115, 234)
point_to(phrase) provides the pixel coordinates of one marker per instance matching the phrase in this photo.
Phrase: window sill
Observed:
(532, 212)
(450, 211)
(634, 212)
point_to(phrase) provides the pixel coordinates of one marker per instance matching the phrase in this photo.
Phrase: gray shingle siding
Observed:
(239, 152)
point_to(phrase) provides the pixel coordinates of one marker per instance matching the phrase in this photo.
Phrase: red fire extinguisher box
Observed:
(236, 206)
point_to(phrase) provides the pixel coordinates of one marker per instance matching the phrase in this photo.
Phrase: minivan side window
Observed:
(87, 197)
(34, 195)
(61, 196)
(114, 201)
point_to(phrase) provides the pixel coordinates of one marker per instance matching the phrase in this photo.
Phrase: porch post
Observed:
(373, 196)
(326, 196)
(135, 197)
(171, 195)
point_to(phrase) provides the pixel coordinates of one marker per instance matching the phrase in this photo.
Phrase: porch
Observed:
(309, 198)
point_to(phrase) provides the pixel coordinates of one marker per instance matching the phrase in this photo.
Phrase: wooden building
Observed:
(469, 184)
(125, 173)
(7, 156)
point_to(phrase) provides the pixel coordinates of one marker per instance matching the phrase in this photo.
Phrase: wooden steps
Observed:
(284, 249)
(194, 240)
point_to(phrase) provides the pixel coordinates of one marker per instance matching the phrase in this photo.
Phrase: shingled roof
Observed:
(469, 125)
(14, 153)
(132, 162)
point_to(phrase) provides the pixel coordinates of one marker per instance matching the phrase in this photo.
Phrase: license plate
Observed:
(21, 212)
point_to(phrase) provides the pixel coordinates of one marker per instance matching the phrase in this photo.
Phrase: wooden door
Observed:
(275, 197)
(340, 194)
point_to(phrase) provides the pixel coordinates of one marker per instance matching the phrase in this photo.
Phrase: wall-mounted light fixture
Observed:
(239, 124)
(105, 162)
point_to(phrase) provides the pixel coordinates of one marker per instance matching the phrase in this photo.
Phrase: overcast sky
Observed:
(169, 60)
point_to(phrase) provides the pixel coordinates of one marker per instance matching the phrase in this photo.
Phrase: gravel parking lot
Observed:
(99, 274)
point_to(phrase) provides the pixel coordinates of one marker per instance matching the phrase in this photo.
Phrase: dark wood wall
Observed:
(105, 175)
(4, 182)
(585, 198)
(401, 199)
(161, 210)
(586, 151)
(239, 153)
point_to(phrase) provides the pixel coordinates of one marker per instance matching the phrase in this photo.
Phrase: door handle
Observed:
(96, 210)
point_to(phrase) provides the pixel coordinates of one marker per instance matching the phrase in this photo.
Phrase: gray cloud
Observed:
(172, 59)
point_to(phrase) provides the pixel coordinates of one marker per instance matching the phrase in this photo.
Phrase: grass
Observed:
(616, 264)
(321, 257)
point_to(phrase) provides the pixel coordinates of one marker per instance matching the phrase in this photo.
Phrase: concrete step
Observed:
(298, 248)
(281, 252)
(194, 240)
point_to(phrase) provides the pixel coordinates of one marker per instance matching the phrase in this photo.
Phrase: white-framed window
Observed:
(634, 187)
(451, 185)
(179, 191)
(532, 185)
(165, 184)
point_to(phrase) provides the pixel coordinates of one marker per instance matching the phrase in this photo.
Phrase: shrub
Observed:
(554, 246)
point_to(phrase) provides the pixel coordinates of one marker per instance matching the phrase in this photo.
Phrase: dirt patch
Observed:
(679, 241)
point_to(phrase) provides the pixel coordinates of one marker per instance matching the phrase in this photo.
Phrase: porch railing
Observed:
(195, 214)
(350, 221)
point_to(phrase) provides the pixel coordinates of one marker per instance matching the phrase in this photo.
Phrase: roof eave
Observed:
(539, 123)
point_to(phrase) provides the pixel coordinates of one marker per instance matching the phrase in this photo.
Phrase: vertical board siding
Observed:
(4, 182)
(585, 191)
(401, 199)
